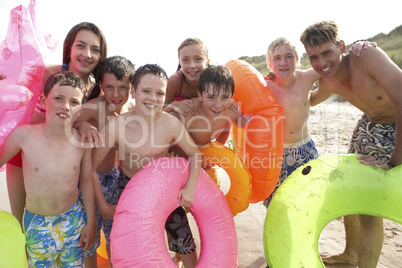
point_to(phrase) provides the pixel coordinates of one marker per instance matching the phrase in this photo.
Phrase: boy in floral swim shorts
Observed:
(57, 226)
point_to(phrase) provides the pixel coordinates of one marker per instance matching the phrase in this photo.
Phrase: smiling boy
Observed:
(56, 224)
(372, 83)
(116, 75)
(144, 134)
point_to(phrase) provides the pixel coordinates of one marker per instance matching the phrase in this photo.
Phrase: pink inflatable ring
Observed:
(138, 235)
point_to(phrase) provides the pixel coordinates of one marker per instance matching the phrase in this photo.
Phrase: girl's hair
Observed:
(280, 42)
(191, 41)
(68, 42)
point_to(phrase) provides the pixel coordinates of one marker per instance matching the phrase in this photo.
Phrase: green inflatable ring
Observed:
(319, 192)
(12, 242)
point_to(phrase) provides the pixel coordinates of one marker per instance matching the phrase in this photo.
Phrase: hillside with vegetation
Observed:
(391, 43)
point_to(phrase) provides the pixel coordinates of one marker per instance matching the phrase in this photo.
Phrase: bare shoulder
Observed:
(368, 55)
(168, 119)
(308, 76)
(376, 62)
(51, 69)
(23, 131)
(174, 83)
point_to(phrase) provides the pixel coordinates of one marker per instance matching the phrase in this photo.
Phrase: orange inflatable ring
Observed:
(261, 147)
(101, 250)
(216, 153)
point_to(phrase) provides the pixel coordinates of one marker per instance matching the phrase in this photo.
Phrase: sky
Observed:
(150, 31)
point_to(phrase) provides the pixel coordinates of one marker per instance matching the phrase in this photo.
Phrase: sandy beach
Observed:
(331, 125)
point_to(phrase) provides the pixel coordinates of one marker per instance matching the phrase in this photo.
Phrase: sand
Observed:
(331, 125)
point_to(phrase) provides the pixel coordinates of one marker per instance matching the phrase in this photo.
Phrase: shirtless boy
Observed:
(57, 226)
(292, 91)
(116, 75)
(214, 119)
(372, 83)
(144, 134)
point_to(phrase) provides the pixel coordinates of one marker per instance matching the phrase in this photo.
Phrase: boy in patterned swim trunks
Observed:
(116, 75)
(144, 134)
(57, 226)
(372, 83)
(213, 121)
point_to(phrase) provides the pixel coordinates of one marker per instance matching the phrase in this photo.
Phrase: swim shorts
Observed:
(51, 241)
(294, 156)
(180, 238)
(373, 139)
(108, 182)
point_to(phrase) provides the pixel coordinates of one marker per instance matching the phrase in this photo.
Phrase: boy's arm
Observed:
(389, 76)
(319, 95)
(87, 192)
(98, 155)
(89, 113)
(11, 145)
(186, 143)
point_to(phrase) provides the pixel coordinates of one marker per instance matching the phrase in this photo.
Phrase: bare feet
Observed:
(341, 258)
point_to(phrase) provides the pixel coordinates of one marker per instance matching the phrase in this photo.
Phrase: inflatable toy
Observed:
(101, 250)
(12, 242)
(213, 173)
(237, 197)
(22, 63)
(138, 235)
(262, 144)
(319, 192)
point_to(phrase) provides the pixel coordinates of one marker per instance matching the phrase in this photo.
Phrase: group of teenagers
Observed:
(99, 120)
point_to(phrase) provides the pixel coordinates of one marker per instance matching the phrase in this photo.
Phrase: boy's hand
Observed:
(184, 107)
(359, 46)
(91, 134)
(271, 76)
(243, 120)
(186, 197)
(87, 237)
(371, 161)
(206, 166)
(233, 107)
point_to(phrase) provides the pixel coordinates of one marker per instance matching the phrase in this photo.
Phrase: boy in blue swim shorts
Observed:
(57, 227)
(116, 75)
(291, 88)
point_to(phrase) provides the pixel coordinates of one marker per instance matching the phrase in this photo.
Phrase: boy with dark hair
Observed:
(116, 76)
(372, 83)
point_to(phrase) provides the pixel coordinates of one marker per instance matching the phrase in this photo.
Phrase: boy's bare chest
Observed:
(363, 92)
(204, 131)
(53, 157)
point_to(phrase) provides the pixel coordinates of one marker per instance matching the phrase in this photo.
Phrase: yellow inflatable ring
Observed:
(12, 242)
(319, 192)
(216, 153)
